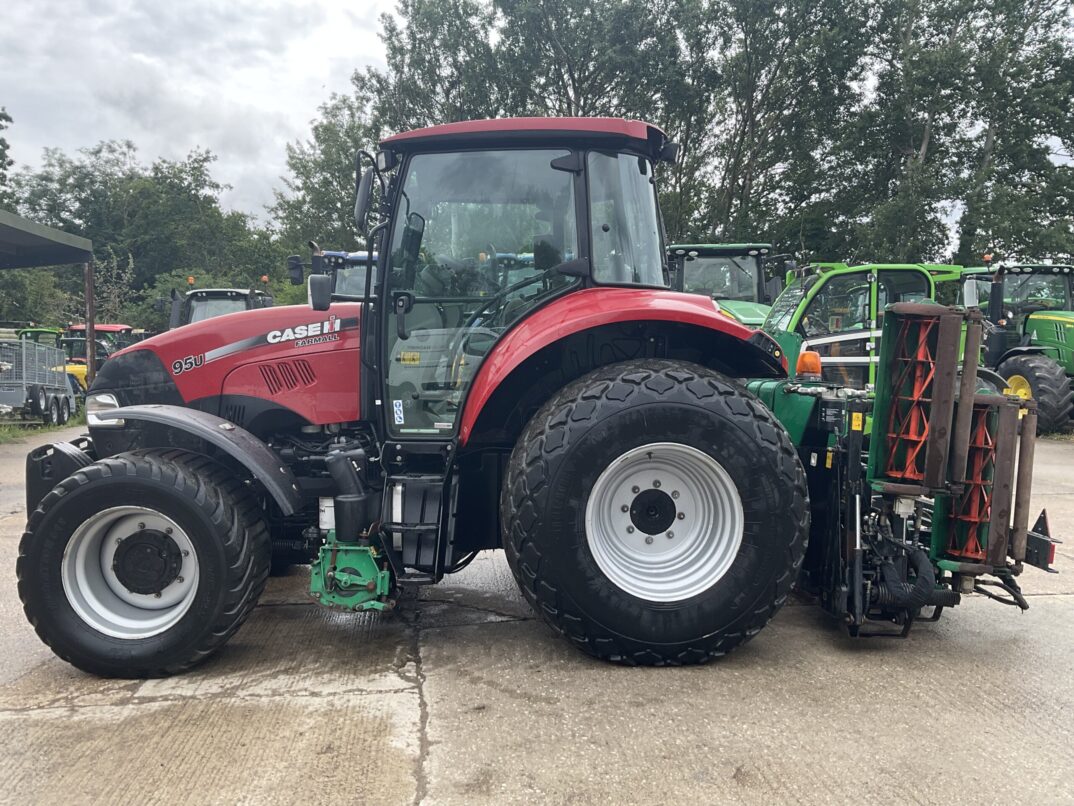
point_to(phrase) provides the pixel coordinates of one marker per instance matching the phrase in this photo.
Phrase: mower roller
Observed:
(451, 397)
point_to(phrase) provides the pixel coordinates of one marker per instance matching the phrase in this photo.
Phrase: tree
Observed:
(318, 200)
(1018, 178)
(5, 161)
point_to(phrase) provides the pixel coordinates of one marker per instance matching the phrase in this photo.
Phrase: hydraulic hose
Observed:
(893, 592)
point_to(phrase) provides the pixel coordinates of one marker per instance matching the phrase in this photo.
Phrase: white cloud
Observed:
(241, 78)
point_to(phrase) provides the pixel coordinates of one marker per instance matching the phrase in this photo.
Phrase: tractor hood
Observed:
(1066, 317)
(266, 355)
(751, 314)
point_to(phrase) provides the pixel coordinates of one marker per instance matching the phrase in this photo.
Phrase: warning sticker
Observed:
(409, 357)
(397, 408)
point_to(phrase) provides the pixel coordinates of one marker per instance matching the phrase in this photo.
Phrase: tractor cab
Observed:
(732, 274)
(837, 311)
(207, 303)
(1031, 343)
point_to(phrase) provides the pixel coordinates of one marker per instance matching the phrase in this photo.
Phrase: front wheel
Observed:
(1044, 380)
(655, 513)
(143, 564)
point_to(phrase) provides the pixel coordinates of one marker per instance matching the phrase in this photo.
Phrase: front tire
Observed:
(143, 564)
(655, 513)
(1045, 381)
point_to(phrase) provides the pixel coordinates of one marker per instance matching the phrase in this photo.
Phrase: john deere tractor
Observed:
(1031, 343)
(730, 273)
(576, 413)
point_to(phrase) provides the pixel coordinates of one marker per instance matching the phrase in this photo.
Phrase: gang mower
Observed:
(570, 410)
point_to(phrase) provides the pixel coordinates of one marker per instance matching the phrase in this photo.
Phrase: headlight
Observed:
(98, 403)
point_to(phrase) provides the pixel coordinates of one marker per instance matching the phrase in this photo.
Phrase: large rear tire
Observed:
(143, 564)
(655, 513)
(1045, 381)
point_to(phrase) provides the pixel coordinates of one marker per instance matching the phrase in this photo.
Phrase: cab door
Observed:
(838, 324)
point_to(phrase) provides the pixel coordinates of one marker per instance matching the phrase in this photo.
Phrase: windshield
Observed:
(1036, 292)
(207, 307)
(779, 318)
(627, 242)
(722, 277)
(470, 214)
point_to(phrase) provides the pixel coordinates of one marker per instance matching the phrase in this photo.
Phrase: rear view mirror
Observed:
(772, 289)
(295, 270)
(411, 241)
(362, 197)
(320, 291)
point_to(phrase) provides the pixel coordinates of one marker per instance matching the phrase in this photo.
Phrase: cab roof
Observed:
(720, 248)
(608, 132)
(103, 328)
(1021, 268)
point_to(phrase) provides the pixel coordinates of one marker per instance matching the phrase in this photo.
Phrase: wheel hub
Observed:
(652, 511)
(147, 562)
(664, 521)
(1020, 386)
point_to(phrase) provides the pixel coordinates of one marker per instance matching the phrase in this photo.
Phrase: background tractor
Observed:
(574, 412)
(730, 273)
(1031, 343)
(207, 303)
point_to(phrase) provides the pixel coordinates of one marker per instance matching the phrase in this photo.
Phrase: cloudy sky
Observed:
(241, 77)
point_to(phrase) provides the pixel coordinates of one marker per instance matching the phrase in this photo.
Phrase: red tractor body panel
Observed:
(302, 360)
(584, 310)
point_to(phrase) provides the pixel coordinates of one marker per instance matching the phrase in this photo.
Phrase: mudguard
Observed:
(236, 442)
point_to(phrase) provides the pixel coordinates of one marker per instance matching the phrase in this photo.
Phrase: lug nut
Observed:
(630, 530)
(186, 553)
(674, 493)
(625, 508)
(141, 525)
(635, 489)
(681, 515)
(179, 580)
(670, 535)
(649, 539)
(157, 594)
(168, 531)
(656, 483)
(119, 540)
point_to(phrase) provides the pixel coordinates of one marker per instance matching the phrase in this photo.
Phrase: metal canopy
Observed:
(24, 244)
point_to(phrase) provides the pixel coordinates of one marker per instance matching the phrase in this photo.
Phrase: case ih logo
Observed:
(313, 333)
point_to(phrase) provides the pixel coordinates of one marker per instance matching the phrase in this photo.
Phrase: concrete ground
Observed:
(462, 697)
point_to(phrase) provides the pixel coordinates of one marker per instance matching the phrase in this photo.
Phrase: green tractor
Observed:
(837, 311)
(731, 273)
(1031, 343)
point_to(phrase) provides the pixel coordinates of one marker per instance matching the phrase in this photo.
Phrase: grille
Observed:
(287, 375)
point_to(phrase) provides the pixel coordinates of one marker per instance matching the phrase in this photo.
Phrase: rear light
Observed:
(808, 366)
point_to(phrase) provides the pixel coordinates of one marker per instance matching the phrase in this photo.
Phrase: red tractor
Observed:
(434, 401)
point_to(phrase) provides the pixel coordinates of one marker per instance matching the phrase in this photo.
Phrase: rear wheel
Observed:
(1044, 380)
(655, 513)
(143, 564)
(65, 411)
(52, 414)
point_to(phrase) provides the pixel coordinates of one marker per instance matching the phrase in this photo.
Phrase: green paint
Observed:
(350, 576)
(795, 411)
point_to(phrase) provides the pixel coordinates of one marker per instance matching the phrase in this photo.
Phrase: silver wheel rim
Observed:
(689, 556)
(95, 592)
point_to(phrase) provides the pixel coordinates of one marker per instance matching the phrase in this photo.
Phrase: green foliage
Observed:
(5, 161)
(884, 130)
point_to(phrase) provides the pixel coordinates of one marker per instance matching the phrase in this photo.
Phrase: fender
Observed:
(236, 442)
(1028, 349)
(593, 307)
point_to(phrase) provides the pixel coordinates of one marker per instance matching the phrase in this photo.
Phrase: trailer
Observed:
(34, 382)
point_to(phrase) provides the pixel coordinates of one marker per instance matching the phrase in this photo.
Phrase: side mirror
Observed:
(295, 270)
(320, 291)
(410, 244)
(361, 202)
(772, 289)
